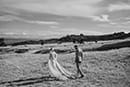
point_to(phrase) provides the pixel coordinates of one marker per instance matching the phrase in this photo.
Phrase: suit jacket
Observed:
(78, 56)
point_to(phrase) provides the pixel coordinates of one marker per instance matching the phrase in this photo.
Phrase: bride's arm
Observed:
(55, 55)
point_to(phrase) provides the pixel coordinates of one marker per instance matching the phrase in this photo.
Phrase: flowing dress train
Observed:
(56, 69)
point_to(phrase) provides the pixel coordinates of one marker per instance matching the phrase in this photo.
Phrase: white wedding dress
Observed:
(56, 69)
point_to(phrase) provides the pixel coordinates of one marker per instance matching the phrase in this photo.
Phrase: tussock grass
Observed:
(101, 69)
(109, 67)
(114, 46)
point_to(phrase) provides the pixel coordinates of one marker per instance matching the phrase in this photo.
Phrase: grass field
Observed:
(101, 68)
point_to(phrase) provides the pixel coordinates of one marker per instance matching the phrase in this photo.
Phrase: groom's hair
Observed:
(51, 49)
(75, 46)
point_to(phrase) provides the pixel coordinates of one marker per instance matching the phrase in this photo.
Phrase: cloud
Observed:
(118, 26)
(126, 23)
(102, 18)
(42, 22)
(54, 26)
(12, 18)
(120, 21)
(8, 18)
(118, 7)
(83, 8)
(113, 23)
(9, 33)
(65, 31)
(15, 33)
(127, 18)
(23, 33)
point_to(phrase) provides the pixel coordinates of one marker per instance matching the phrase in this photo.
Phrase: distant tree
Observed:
(81, 34)
(59, 42)
(96, 41)
(1, 39)
(81, 41)
(41, 42)
(74, 41)
(2, 43)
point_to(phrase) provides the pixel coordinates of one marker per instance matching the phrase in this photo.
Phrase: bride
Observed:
(56, 69)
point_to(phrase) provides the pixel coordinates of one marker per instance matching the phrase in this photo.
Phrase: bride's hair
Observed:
(51, 49)
(75, 46)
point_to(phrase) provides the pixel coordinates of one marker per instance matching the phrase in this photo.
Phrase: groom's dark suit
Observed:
(78, 60)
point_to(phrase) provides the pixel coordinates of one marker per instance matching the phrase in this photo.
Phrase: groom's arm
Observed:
(82, 56)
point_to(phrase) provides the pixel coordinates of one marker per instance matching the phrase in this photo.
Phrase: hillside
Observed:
(81, 37)
(69, 38)
(109, 68)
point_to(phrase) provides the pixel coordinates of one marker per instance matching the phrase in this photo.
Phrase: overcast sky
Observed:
(61, 17)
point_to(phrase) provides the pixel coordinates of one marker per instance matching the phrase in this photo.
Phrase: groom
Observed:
(78, 60)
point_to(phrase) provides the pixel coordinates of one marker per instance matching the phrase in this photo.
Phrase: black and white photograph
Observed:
(64, 43)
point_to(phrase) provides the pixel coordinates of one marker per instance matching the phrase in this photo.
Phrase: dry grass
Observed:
(101, 69)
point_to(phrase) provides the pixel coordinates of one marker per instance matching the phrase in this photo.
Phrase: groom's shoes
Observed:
(81, 76)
